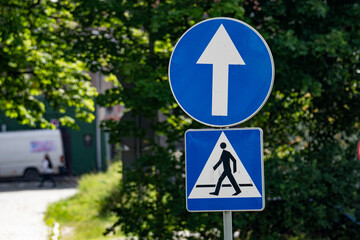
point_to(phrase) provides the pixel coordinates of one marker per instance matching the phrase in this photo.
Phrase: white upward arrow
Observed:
(220, 52)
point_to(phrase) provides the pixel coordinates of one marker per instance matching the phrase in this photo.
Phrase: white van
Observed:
(22, 152)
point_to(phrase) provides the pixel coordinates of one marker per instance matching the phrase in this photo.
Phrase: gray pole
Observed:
(228, 234)
(97, 127)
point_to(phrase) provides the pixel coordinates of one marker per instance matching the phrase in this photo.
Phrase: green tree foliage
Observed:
(310, 122)
(36, 60)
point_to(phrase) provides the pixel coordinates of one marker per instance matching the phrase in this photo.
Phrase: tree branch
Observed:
(34, 4)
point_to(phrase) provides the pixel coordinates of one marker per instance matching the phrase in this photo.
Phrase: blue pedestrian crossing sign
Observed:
(224, 170)
(221, 72)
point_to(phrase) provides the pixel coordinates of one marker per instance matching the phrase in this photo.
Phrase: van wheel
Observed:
(31, 174)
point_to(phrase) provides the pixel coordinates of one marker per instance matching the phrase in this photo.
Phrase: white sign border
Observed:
(272, 66)
(262, 168)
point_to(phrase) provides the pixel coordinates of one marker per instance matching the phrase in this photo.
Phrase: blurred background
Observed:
(94, 73)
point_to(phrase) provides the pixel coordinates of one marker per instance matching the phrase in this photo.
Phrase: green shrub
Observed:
(84, 213)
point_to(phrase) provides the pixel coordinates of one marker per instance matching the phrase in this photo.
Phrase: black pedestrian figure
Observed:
(225, 160)
(47, 171)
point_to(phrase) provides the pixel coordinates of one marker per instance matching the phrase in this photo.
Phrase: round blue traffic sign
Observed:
(221, 72)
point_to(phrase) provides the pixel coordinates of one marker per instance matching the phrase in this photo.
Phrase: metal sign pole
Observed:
(228, 234)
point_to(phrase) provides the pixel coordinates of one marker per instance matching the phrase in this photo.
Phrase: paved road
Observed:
(22, 207)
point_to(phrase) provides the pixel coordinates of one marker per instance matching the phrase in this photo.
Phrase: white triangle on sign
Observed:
(208, 178)
(221, 49)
